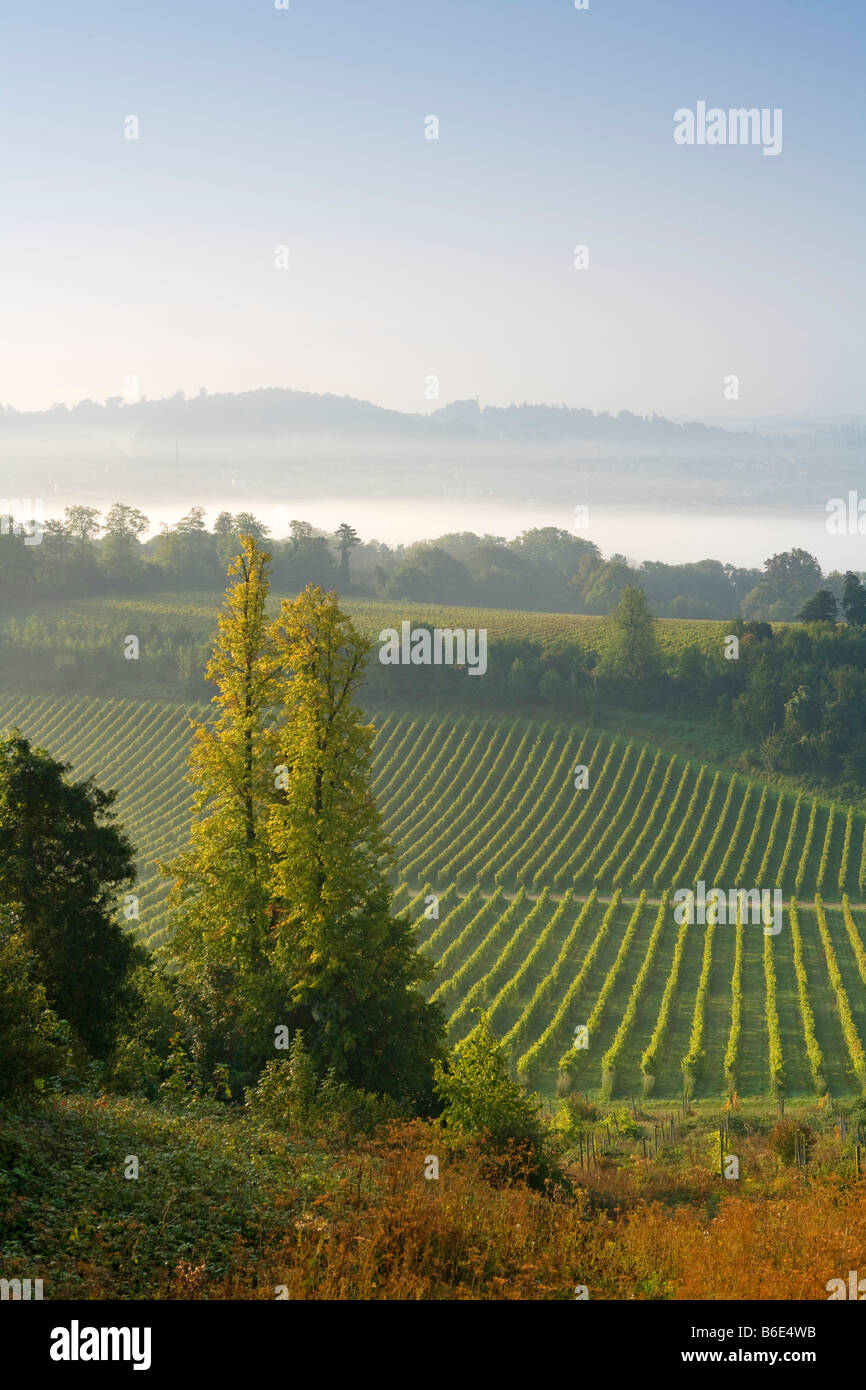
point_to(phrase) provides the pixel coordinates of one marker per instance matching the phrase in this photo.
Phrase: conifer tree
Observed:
(854, 600)
(346, 536)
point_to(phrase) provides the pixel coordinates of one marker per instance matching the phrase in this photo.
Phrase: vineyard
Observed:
(107, 619)
(545, 895)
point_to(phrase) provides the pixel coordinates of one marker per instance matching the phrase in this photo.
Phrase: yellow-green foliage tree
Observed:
(282, 914)
(223, 911)
(349, 968)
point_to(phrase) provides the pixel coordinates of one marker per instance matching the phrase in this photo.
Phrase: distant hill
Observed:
(276, 410)
(276, 440)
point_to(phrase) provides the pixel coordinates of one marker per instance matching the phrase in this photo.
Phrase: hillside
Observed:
(302, 444)
(106, 619)
(483, 814)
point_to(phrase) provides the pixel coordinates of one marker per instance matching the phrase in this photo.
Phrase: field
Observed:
(549, 905)
(109, 619)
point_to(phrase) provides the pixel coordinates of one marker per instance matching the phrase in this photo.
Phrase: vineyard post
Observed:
(643, 1141)
(857, 1160)
(721, 1151)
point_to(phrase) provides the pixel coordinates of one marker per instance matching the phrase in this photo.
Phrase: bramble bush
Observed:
(786, 1134)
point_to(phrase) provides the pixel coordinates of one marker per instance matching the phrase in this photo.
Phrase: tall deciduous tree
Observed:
(633, 654)
(221, 893)
(121, 548)
(281, 902)
(349, 967)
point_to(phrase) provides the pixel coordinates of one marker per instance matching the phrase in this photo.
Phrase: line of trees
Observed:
(87, 553)
(543, 569)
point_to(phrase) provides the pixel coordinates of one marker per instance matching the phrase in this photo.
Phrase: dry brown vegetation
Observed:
(225, 1208)
(650, 1230)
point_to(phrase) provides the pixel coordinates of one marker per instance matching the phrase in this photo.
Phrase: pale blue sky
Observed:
(410, 257)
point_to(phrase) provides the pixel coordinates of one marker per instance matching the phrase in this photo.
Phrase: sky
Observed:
(420, 266)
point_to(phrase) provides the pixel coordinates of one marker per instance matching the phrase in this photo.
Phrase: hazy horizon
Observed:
(232, 193)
